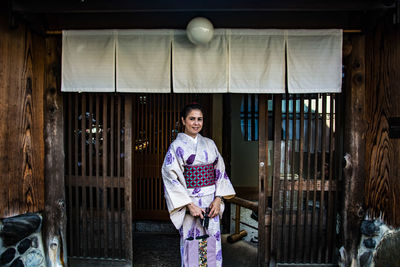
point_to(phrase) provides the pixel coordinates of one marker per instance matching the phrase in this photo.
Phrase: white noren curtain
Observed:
(88, 61)
(200, 68)
(314, 61)
(144, 61)
(256, 61)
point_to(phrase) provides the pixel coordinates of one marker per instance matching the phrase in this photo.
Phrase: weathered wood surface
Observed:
(383, 98)
(264, 231)
(21, 120)
(55, 220)
(354, 147)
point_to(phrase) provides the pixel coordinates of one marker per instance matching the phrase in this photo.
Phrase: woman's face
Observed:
(193, 122)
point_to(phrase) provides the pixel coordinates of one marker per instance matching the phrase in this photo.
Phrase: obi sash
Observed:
(199, 176)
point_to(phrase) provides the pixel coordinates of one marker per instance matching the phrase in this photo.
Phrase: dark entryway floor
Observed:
(156, 249)
(162, 249)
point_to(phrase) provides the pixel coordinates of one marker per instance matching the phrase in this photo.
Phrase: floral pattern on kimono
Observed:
(183, 151)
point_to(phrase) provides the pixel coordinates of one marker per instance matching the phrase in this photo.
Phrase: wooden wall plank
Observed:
(382, 102)
(21, 120)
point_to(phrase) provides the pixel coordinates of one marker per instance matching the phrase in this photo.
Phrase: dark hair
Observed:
(189, 107)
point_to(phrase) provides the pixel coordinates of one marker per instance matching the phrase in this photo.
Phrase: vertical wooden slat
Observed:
(284, 234)
(276, 175)
(300, 232)
(128, 179)
(119, 173)
(134, 118)
(98, 201)
(105, 174)
(330, 218)
(147, 155)
(135, 137)
(314, 212)
(77, 216)
(91, 227)
(163, 112)
(152, 171)
(83, 188)
(112, 178)
(146, 193)
(263, 228)
(140, 159)
(292, 164)
(320, 238)
(307, 230)
(158, 127)
(70, 135)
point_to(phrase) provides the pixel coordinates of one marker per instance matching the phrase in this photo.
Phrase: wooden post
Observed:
(55, 220)
(226, 154)
(354, 148)
(263, 228)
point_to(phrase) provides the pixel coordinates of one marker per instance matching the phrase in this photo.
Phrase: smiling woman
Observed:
(195, 184)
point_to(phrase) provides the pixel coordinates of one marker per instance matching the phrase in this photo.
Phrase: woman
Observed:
(195, 179)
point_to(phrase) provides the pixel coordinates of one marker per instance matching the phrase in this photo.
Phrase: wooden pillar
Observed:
(55, 220)
(354, 148)
(264, 234)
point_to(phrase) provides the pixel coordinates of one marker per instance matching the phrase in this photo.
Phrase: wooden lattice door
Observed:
(155, 126)
(299, 178)
(98, 177)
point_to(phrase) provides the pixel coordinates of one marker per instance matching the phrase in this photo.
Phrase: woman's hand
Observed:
(196, 211)
(215, 207)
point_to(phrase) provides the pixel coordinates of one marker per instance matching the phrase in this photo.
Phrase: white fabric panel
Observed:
(144, 61)
(314, 61)
(256, 61)
(88, 61)
(200, 68)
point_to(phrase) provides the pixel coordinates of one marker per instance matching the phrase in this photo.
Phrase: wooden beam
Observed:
(354, 148)
(55, 219)
(122, 6)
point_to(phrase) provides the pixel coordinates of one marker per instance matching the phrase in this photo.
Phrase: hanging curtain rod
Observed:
(59, 32)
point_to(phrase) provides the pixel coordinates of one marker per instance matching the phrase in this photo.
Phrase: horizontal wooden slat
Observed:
(91, 181)
(317, 186)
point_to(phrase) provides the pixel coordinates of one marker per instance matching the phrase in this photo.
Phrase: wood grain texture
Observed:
(383, 98)
(21, 120)
(55, 219)
(354, 147)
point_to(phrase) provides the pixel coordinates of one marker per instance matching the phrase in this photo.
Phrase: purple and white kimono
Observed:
(185, 151)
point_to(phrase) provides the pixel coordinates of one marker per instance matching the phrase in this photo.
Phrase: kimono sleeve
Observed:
(175, 192)
(223, 185)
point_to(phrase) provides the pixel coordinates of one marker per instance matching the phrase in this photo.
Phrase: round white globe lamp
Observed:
(200, 31)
